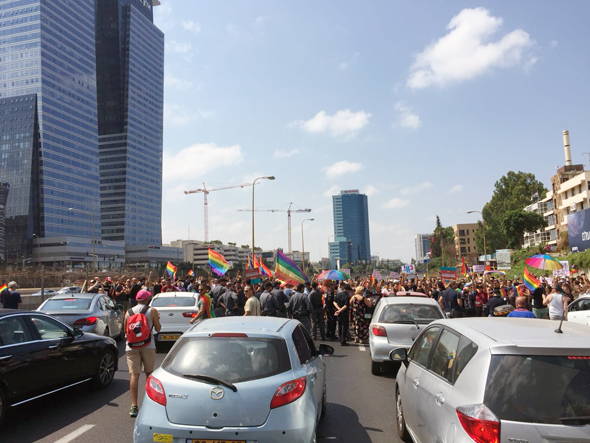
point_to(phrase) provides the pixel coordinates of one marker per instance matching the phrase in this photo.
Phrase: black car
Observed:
(39, 355)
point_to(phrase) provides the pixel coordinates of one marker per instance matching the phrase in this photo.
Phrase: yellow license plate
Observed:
(163, 438)
(214, 441)
(168, 337)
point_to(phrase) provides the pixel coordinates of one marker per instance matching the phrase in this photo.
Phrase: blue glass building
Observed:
(351, 228)
(130, 81)
(48, 120)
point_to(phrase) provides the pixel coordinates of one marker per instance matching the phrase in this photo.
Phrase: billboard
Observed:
(578, 229)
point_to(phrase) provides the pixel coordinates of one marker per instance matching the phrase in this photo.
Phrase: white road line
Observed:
(362, 348)
(77, 433)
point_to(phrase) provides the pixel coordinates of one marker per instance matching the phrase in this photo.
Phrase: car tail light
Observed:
(379, 331)
(155, 390)
(189, 314)
(575, 357)
(479, 423)
(288, 393)
(229, 335)
(86, 321)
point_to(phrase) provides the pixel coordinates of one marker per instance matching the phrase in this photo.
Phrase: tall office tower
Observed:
(351, 228)
(130, 82)
(4, 189)
(48, 123)
(422, 243)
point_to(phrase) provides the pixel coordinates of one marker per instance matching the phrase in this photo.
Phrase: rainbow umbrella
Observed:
(333, 274)
(543, 261)
(494, 272)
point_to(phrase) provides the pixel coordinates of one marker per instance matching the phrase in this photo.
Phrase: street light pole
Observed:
(268, 177)
(93, 254)
(483, 227)
(303, 245)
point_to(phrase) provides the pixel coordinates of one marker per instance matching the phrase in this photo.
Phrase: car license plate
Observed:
(214, 441)
(168, 337)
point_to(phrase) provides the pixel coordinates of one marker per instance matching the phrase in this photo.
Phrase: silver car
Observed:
(96, 313)
(237, 380)
(505, 380)
(396, 322)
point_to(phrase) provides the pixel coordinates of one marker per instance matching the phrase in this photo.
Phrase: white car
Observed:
(48, 292)
(176, 310)
(578, 311)
(69, 290)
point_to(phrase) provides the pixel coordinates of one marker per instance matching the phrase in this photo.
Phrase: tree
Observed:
(513, 191)
(442, 240)
(245, 246)
(518, 221)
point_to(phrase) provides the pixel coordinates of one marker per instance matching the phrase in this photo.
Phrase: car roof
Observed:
(176, 294)
(410, 294)
(259, 325)
(75, 295)
(409, 300)
(518, 335)
(4, 312)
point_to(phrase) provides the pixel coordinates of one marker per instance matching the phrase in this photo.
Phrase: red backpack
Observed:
(138, 329)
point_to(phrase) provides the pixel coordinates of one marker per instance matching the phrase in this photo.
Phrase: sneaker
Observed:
(134, 411)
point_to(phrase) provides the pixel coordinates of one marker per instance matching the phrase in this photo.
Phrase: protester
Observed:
(557, 303)
(342, 306)
(521, 311)
(252, 306)
(299, 307)
(10, 298)
(317, 315)
(358, 305)
(268, 303)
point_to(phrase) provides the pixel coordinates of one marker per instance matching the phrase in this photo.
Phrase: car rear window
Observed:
(408, 313)
(68, 304)
(539, 389)
(230, 359)
(172, 302)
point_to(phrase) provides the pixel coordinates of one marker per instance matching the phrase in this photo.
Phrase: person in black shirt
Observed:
(269, 305)
(317, 315)
(11, 298)
(133, 290)
(342, 305)
(281, 298)
(330, 310)
(540, 310)
(495, 300)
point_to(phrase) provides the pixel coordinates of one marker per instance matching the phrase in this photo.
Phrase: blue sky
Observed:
(421, 105)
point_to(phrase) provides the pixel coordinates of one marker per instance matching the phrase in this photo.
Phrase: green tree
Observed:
(513, 191)
(443, 239)
(518, 221)
(245, 246)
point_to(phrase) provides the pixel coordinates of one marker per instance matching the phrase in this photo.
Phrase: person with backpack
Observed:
(141, 347)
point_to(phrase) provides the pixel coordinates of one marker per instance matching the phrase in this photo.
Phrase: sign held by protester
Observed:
(448, 274)
(564, 271)
(480, 269)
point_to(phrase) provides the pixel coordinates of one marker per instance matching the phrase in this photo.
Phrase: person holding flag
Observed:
(203, 304)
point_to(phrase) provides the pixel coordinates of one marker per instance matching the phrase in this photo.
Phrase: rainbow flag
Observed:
(530, 281)
(249, 263)
(287, 271)
(171, 270)
(374, 285)
(3, 287)
(207, 302)
(520, 290)
(263, 268)
(190, 273)
(217, 263)
(256, 264)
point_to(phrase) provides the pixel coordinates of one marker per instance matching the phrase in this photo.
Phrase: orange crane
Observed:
(206, 192)
(288, 211)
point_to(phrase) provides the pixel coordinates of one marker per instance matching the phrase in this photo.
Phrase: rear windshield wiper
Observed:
(212, 380)
(408, 322)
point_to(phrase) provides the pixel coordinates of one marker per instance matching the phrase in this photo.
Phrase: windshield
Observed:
(172, 302)
(539, 389)
(67, 304)
(404, 313)
(230, 359)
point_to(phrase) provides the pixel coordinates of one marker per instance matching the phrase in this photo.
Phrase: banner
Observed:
(480, 269)
(376, 274)
(253, 274)
(346, 271)
(409, 269)
(578, 230)
(563, 272)
(394, 274)
(448, 274)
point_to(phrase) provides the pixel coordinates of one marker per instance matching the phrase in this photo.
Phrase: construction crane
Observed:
(206, 192)
(288, 211)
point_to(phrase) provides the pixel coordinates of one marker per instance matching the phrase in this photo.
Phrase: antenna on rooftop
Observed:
(588, 154)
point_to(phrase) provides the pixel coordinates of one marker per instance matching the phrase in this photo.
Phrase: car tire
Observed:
(3, 405)
(402, 430)
(105, 371)
(376, 368)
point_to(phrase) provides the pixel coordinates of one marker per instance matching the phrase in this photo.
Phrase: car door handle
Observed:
(5, 357)
(439, 399)
(416, 383)
(53, 347)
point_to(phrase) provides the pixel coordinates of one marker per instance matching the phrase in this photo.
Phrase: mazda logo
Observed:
(217, 393)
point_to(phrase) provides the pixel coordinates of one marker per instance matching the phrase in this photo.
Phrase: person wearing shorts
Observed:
(139, 359)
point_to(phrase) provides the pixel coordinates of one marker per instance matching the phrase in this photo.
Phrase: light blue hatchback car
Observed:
(237, 380)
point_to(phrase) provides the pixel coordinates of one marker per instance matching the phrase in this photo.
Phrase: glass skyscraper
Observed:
(351, 228)
(130, 56)
(48, 120)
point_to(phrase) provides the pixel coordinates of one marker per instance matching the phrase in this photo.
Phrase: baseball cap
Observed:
(143, 295)
(108, 279)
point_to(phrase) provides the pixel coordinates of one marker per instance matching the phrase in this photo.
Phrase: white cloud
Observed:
(185, 49)
(347, 64)
(198, 159)
(341, 168)
(179, 115)
(395, 203)
(176, 83)
(415, 189)
(467, 52)
(406, 118)
(344, 123)
(281, 153)
(456, 188)
(260, 21)
(553, 44)
(334, 190)
(191, 26)
(370, 190)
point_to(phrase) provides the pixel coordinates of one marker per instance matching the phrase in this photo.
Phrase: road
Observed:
(361, 407)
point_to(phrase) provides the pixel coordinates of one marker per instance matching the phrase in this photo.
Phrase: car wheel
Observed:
(376, 368)
(105, 372)
(402, 431)
(3, 405)
(324, 403)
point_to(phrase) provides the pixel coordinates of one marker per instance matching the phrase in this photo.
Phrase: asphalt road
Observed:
(361, 407)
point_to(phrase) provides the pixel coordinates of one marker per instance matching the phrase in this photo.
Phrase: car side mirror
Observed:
(78, 332)
(399, 354)
(326, 349)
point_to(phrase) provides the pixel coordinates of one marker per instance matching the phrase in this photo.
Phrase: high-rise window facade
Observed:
(351, 228)
(48, 120)
(130, 56)
(422, 243)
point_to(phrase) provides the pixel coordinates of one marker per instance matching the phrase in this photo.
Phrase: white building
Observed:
(547, 234)
(197, 252)
(422, 244)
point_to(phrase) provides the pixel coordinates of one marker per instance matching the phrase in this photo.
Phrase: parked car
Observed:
(396, 322)
(578, 311)
(237, 379)
(96, 313)
(69, 290)
(495, 380)
(40, 355)
(176, 309)
(48, 292)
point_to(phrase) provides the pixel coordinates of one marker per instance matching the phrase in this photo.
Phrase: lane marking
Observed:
(77, 433)
(362, 348)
